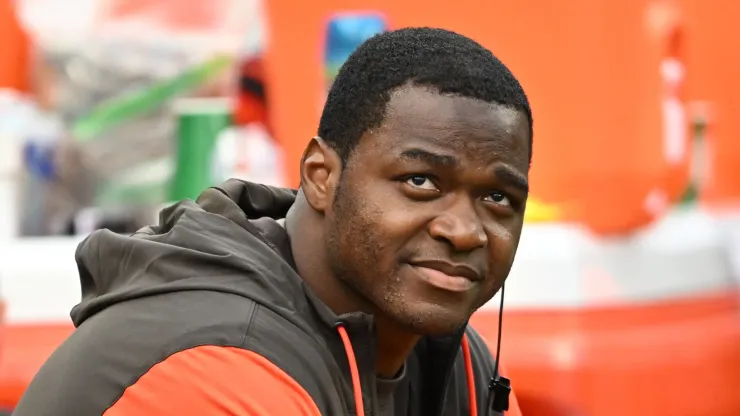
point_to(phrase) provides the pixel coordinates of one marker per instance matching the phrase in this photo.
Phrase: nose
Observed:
(460, 226)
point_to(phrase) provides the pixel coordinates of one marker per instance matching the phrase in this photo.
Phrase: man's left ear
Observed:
(321, 168)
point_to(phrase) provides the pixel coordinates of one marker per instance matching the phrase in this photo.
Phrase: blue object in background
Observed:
(345, 32)
(39, 158)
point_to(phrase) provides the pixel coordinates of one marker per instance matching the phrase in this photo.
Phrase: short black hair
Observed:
(438, 58)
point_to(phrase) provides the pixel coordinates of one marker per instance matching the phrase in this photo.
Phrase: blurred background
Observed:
(625, 296)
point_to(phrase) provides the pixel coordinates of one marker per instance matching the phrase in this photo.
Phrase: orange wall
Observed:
(590, 69)
(713, 53)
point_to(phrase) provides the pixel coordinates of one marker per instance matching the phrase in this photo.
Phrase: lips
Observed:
(450, 269)
(447, 276)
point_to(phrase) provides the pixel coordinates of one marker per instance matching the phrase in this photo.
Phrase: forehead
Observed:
(420, 116)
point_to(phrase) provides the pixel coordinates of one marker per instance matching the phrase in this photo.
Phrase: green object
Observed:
(690, 195)
(200, 121)
(146, 183)
(130, 105)
(136, 194)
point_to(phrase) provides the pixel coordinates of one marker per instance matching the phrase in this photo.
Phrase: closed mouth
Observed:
(450, 269)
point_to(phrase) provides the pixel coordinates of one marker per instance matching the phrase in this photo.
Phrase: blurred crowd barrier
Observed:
(93, 138)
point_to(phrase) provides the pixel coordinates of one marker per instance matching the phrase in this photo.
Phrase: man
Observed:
(350, 296)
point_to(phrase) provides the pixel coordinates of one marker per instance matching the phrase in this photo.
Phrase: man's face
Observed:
(429, 210)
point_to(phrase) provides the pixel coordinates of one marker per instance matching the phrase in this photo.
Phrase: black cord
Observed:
(499, 387)
(500, 324)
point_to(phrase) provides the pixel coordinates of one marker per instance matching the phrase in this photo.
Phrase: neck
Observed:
(394, 343)
(394, 346)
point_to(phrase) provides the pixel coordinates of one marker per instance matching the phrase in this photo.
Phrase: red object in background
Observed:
(251, 103)
(15, 54)
(249, 109)
(673, 358)
(169, 13)
(25, 348)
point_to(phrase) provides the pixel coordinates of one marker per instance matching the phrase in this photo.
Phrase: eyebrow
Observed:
(512, 178)
(503, 173)
(430, 158)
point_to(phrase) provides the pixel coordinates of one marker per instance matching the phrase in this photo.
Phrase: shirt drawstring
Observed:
(355, 373)
(353, 370)
(470, 377)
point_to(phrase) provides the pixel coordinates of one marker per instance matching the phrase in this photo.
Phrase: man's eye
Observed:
(499, 198)
(421, 182)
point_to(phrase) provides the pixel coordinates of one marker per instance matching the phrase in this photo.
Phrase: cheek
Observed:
(503, 244)
(402, 222)
(357, 222)
(378, 229)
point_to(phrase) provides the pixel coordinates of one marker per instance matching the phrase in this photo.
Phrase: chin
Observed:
(432, 320)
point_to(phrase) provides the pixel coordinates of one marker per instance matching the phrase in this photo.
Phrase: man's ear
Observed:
(321, 168)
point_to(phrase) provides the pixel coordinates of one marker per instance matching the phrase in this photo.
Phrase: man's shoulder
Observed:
(207, 380)
(114, 349)
(152, 328)
(111, 350)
